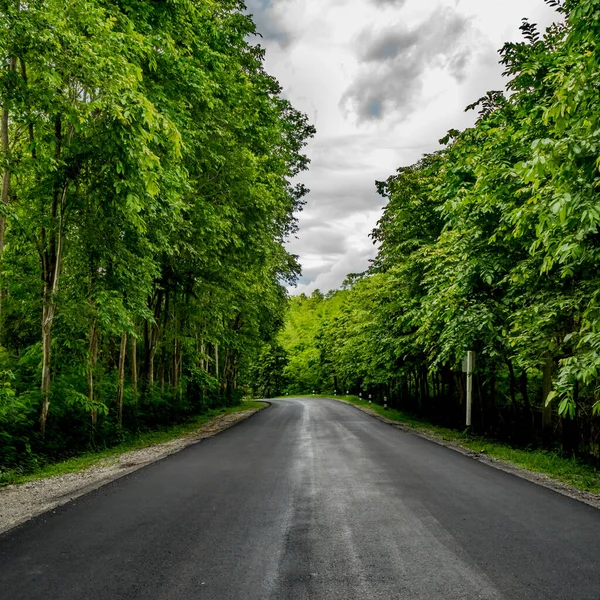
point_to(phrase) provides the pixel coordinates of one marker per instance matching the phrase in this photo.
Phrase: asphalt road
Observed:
(309, 499)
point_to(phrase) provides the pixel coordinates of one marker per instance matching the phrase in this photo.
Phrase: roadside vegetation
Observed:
(491, 245)
(146, 168)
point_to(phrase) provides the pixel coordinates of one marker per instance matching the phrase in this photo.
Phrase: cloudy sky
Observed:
(382, 81)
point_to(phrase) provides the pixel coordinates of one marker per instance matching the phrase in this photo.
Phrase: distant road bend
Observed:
(309, 499)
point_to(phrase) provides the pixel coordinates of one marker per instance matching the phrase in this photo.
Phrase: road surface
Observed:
(309, 499)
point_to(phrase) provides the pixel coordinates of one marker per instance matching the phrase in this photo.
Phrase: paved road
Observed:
(309, 499)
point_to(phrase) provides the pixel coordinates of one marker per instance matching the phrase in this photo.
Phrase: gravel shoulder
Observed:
(533, 476)
(19, 503)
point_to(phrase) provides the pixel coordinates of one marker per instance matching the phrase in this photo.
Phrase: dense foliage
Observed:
(491, 244)
(147, 161)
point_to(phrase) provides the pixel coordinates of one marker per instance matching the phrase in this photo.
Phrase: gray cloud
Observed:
(395, 62)
(266, 20)
(390, 45)
(321, 240)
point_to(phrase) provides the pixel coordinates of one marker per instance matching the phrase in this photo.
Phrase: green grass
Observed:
(571, 471)
(141, 440)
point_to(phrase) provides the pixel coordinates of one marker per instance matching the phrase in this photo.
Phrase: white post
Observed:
(385, 402)
(470, 366)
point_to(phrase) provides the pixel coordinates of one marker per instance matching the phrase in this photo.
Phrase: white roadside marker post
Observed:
(370, 398)
(468, 366)
(385, 402)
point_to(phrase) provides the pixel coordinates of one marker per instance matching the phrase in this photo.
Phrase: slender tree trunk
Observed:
(425, 387)
(153, 341)
(180, 370)
(150, 372)
(527, 404)
(5, 147)
(134, 373)
(51, 266)
(460, 386)
(30, 126)
(12, 66)
(92, 359)
(493, 389)
(524, 390)
(512, 383)
(225, 378)
(48, 311)
(546, 389)
(175, 365)
(418, 390)
(162, 366)
(217, 361)
(121, 384)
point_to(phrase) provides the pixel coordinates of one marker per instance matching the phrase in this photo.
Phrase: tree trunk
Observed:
(175, 365)
(527, 405)
(417, 390)
(180, 370)
(48, 311)
(493, 388)
(92, 359)
(51, 258)
(459, 384)
(5, 147)
(30, 126)
(12, 65)
(424, 385)
(134, 373)
(225, 379)
(152, 341)
(546, 389)
(121, 384)
(217, 362)
(512, 383)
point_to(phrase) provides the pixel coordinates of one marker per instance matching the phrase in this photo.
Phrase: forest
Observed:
(492, 245)
(148, 167)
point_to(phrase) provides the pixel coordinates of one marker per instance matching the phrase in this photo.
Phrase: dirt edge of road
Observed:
(532, 476)
(24, 501)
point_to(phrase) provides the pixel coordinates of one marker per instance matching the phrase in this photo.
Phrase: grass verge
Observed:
(572, 471)
(135, 442)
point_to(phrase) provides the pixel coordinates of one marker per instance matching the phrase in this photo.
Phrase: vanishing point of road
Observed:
(309, 499)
